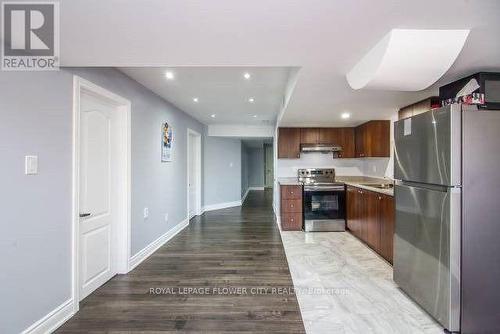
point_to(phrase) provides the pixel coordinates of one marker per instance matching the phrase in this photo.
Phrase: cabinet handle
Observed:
(380, 197)
(291, 192)
(291, 205)
(291, 219)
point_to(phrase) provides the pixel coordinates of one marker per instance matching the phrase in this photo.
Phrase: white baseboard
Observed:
(152, 247)
(245, 196)
(53, 320)
(256, 188)
(219, 206)
(278, 221)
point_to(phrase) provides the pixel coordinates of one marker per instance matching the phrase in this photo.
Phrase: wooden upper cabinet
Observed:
(359, 134)
(373, 139)
(419, 107)
(288, 143)
(329, 136)
(347, 142)
(343, 137)
(309, 135)
(370, 139)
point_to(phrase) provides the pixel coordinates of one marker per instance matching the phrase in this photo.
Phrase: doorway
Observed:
(194, 173)
(101, 187)
(268, 166)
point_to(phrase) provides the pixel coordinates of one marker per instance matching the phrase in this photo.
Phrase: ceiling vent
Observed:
(408, 59)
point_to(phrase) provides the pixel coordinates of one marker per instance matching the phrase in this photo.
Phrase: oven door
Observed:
(324, 208)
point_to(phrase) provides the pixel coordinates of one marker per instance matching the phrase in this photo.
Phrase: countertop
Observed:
(355, 181)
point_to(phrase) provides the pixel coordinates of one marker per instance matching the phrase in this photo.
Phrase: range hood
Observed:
(322, 148)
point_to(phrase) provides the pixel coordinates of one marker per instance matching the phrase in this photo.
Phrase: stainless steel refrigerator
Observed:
(447, 234)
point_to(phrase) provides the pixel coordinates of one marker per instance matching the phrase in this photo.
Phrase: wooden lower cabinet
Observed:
(370, 218)
(291, 207)
(388, 218)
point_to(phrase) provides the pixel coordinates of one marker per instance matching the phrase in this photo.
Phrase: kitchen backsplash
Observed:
(378, 167)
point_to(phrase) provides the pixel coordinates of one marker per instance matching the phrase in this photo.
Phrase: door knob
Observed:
(82, 215)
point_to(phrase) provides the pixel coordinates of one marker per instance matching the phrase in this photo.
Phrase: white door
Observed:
(96, 196)
(192, 175)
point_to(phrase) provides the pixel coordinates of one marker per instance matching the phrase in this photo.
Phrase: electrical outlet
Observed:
(166, 217)
(146, 213)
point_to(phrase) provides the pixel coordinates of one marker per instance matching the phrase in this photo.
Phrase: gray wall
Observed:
(256, 167)
(35, 238)
(244, 169)
(36, 118)
(222, 170)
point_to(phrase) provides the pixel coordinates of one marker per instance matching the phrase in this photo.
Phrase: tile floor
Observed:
(352, 287)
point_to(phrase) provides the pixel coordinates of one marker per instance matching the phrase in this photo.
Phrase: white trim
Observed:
(248, 190)
(123, 251)
(278, 221)
(219, 206)
(53, 320)
(147, 251)
(198, 208)
(245, 196)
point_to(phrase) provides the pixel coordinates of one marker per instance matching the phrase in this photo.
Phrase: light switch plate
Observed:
(166, 217)
(31, 165)
(146, 213)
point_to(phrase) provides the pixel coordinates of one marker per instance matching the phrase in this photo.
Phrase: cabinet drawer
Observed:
(291, 221)
(291, 205)
(291, 192)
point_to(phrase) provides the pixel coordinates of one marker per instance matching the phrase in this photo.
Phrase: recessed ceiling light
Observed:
(169, 75)
(213, 115)
(254, 116)
(345, 115)
(251, 100)
(195, 100)
(247, 75)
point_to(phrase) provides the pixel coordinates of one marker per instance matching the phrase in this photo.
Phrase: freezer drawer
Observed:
(427, 249)
(428, 147)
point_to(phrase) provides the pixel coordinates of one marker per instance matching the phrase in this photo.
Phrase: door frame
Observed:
(122, 238)
(267, 147)
(192, 133)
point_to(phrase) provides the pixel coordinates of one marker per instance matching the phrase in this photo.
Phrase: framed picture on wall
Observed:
(167, 135)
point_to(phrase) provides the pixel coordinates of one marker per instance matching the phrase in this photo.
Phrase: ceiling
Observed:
(222, 93)
(325, 38)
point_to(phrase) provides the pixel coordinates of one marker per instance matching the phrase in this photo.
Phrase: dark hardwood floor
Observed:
(230, 248)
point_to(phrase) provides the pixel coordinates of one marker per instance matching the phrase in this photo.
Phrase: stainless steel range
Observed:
(324, 200)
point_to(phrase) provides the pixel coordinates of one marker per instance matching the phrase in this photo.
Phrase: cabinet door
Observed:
(351, 209)
(291, 221)
(377, 139)
(360, 141)
(347, 142)
(289, 143)
(291, 192)
(309, 136)
(330, 136)
(373, 201)
(362, 226)
(387, 218)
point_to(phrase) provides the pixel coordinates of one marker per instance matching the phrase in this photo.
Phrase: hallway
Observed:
(231, 259)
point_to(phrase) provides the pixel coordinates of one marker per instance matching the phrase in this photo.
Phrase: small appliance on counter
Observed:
(324, 200)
